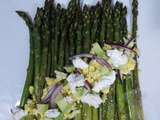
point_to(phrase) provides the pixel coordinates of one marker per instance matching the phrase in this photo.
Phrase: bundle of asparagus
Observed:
(58, 33)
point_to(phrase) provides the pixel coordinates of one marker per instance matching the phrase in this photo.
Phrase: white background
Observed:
(14, 51)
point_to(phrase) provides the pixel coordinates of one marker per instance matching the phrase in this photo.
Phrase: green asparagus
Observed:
(30, 70)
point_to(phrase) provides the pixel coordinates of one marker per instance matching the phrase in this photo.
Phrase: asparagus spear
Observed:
(87, 110)
(120, 95)
(136, 86)
(86, 29)
(78, 41)
(63, 28)
(124, 22)
(96, 27)
(46, 57)
(71, 18)
(78, 26)
(56, 37)
(109, 24)
(130, 97)
(53, 41)
(128, 80)
(105, 9)
(43, 50)
(37, 48)
(69, 42)
(109, 106)
(30, 70)
(100, 37)
(49, 25)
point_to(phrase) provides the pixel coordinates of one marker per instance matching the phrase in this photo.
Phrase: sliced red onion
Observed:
(51, 91)
(129, 41)
(103, 62)
(122, 46)
(82, 55)
(54, 95)
(91, 56)
(87, 85)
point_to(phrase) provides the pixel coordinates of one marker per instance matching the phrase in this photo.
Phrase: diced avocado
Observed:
(79, 91)
(96, 49)
(64, 106)
(42, 108)
(58, 98)
(69, 69)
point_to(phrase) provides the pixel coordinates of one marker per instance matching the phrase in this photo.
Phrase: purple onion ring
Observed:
(51, 91)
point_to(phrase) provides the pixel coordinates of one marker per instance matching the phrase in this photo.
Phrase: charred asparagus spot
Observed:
(30, 70)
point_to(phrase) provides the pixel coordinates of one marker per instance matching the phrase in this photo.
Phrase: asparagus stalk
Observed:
(96, 27)
(130, 97)
(136, 86)
(37, 48)
(46, 57)
(30, 70)
(86, 29)
(124, 22)
(109, 106)
(128, 81)
(56, 38)
(87, 110)
(105, 4)
(105, 9)
(43, 49)
(49, 25)
(109, 24)
(100, 37)
(71, 18)
(53, 41)
(78, 26)
(120, 95)
(63, 29)
(69, 42)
